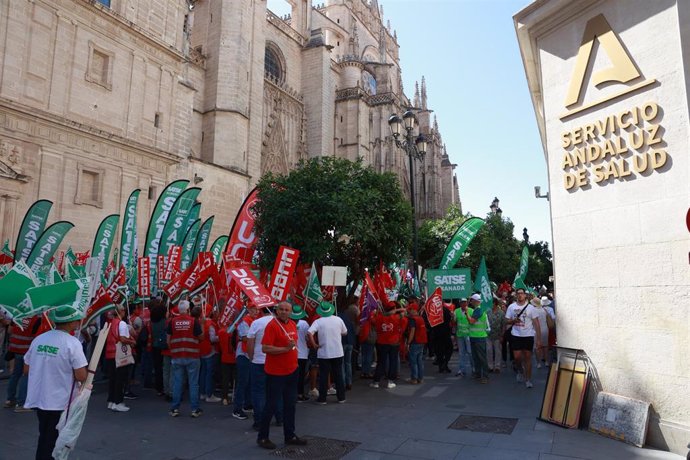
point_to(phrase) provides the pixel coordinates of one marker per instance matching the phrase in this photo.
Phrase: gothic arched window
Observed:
(274, 68)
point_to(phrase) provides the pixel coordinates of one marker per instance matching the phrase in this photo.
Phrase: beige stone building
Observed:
(99, 97)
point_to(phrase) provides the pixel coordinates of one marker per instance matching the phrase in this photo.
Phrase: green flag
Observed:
(202, 238)
(32, 227)
(176, 226)
(218, 246)
(524, 260)
(312, 291)
(13, 287)
(47, 244)
(72, 293)
(69, 257)
(103, 242)
(157, 223)
(458, 244)
(188, 245)
(192, 217)
(128, 239)
(483, 286)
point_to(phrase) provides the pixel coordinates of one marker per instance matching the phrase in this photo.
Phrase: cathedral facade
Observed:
(100, 97)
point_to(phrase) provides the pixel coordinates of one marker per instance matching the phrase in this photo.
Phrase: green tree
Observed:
(434, 235)
(336, 212)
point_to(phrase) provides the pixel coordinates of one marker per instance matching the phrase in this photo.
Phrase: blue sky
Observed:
(468, 52)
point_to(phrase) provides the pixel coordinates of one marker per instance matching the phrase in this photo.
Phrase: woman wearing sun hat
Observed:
(53, 363)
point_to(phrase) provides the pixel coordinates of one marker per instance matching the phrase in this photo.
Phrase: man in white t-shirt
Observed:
(330, 329)
(257, 375)
(54, 363)
(522, 317)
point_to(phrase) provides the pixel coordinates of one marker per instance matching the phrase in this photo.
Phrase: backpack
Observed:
(160, 339)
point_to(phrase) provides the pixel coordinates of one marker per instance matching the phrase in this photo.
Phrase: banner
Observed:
(458, 244)
(217, 248)
(524, 261)
(32, 227)
(128, 240)
(192, 217)
(120, 282)
(173, 265)
(159, 218)
(232, 307)
(47, 244)
(434, 308)
(188, 245)
(245, 279)
(176, 225)
(283, 270)
(455, 283)
(73, 293)
(144, 277)
(242, 237)
(201, 243)
(483, 286)
(174, 288)
(13, 287)
(105, 236)
(312, 292)
(369, 306)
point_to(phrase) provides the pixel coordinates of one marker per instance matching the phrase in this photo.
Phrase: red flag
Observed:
(160, 270)
(144, 277)
(102, 302)
(434, 307)
(251, 287)
(81, 258)
(232, 307)
(109, 269)
(242, 236)
(173, 265)
(174, 288)
(385, 274)
(61, 261)
(283, 271)
(120, 280)
(369, 284)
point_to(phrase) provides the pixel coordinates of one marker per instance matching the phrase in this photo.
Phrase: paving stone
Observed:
(429, 449)
(493, 453)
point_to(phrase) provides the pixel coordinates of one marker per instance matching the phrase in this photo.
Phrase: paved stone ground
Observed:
(410, 421)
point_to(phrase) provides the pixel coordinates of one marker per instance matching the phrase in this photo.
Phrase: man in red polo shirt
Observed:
(279, 345)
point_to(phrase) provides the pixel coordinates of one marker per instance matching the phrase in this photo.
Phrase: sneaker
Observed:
(302, 398)
(10, 404)
(110, 405)
(249, 410)
(119, 408)
(130, 395)
(460, 374)
(295, 441)
(20, 409)
(331, 392)
(519, 377)
(240, 415)
(212, 399)
(390, 385)
(374, 384)
(266, 444)
(411, 381)
(342, 401)
(528, 384)
(197, 413)
(539, 365)
(321, 403)
(174, 413)
(314, 393)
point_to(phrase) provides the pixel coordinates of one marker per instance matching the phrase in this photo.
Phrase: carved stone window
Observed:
(90, 186)
(99, 69)
(274, 64)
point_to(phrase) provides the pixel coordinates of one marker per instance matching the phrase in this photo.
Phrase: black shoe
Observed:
(295, 441)
(240, 415)
(266, 443)
(130, 395)
(197, 413)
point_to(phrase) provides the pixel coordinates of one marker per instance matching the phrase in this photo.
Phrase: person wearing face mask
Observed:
(54, 363)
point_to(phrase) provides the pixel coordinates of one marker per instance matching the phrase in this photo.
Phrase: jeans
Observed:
(493, 353)
(158, 369)
(466, 365)
(190, 366)
(387, 362)
(258, 389)
(281, 397)
(347, 364)
(147, 369)
(417, 361)
(206, 382)
(242, 388)
(167, 365)
(481, 367)
(367, 351)
(334, 367)
(18, 379)
(47, 433)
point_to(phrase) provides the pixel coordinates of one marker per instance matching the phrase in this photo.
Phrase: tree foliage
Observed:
(335, 212)
(495, 241)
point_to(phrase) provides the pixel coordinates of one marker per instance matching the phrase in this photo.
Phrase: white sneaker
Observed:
(391, 385)
(519, 377)
(374, 384)
(119, 408)
(331, 391)
(314, 393)
(110, 405)
(528, 384)
(539, 365)
(212, 399)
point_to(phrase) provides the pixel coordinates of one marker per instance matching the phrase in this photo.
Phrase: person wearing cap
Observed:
(54, 362)
(479, 326)
(242, 396)
(330, 329)
(184, 333)
(297, 315)
(279, 344)
(462, 336)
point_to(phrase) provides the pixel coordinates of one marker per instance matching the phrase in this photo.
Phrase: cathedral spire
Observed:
(435, 124)
(423, 93)
(415, 102)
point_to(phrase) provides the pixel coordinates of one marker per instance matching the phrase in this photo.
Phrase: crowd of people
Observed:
(276, 358)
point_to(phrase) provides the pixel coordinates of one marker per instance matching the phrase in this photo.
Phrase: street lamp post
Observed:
(495, 209)
(415, 148)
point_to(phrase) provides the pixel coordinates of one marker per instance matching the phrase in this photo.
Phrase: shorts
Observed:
(313, 359)
(521, 343)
